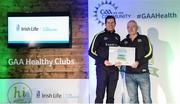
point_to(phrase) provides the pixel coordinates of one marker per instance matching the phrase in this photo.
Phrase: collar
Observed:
(128, 36)
(109, 31)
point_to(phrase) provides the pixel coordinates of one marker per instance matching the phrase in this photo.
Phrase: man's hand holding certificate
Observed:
(125, 55)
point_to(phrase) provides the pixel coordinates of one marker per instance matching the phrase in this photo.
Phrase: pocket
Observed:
(145, 77)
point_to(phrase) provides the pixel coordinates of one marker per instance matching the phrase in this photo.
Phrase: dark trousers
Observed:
(107, 78)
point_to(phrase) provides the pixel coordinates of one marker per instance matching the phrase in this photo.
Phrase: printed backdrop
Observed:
(160, 21)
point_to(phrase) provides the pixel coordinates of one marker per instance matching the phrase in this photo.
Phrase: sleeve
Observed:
(119, 40)
(122, 43)
(94, 47)
(148, 51)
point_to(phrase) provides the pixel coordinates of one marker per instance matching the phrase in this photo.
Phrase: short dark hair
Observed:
(110, 17)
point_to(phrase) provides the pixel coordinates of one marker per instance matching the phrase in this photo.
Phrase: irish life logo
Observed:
(19, 93)
(17, 27)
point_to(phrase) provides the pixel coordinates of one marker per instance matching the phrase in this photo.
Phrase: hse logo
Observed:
(26, 28)
(19, 93)
(104, 9)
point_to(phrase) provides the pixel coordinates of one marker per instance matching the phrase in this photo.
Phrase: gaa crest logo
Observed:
(103, 9)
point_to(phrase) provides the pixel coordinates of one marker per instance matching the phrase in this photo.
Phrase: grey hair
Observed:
(133, 22)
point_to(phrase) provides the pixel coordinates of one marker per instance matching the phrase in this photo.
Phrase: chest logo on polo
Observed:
(139, 40)
(125, 42)
(110, 45)
(105, 38)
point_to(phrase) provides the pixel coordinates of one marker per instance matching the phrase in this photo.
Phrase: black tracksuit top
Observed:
(143, 52)
(99, 49)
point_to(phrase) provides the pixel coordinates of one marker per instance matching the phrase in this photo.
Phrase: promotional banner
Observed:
(160, 21)
(27, 91)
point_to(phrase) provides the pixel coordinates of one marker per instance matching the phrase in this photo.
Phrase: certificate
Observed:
(125, 55)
